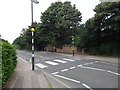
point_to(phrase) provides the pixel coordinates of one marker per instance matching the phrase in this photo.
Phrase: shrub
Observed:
(8, 60)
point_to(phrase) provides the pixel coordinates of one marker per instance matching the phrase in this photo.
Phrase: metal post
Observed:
(73, 44)
(32, 37)
(33, 29)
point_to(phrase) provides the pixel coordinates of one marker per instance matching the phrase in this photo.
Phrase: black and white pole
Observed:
(33, 30)
(73, 44)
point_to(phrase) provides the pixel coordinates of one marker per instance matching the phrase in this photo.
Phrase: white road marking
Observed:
(96, 61)
(57, 80)
(67, 78)
(51, 63)
(86, 63)
(72, 67)
(55, 73)
(68, 59)
(79, 65)
(22, 59)
(87, 86)
(41, 65)
(92, 68)
(61, 61)
(78, 59)
(91, 63)
(30, 60)
(64, 70)
(113, 72)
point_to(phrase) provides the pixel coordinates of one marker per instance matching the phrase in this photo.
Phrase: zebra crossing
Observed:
(55, 62)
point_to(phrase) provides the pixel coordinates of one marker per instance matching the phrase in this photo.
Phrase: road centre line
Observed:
(72, 67)
(55, 73)
(91, 63)
(67, 78)
(87, 86)
(113, 72)
(64, 70)
(86, 63)
(79, 65)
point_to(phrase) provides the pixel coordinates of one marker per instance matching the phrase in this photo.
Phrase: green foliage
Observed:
(61, 21)
(58, 23)
(101, 33)
(8, 60)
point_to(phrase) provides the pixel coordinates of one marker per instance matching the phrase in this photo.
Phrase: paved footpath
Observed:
(24, 77)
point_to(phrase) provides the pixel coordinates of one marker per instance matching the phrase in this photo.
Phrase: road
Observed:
(75, 72)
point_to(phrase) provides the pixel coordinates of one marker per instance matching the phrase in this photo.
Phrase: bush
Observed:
(8, 60)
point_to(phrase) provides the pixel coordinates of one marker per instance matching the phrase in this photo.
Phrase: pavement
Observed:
(98, 58)
(24, 77)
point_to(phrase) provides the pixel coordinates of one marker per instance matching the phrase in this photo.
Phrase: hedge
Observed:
(8, 61)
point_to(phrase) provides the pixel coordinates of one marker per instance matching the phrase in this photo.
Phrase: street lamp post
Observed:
(33, 30)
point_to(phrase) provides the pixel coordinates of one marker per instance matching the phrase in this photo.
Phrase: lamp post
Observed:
(33, 30)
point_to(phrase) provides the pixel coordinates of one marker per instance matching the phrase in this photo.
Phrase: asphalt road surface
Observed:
(75, 72)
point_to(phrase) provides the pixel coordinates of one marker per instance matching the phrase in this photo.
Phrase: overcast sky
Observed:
(16, 14)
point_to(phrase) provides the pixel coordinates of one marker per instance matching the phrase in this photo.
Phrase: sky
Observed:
(16, 14)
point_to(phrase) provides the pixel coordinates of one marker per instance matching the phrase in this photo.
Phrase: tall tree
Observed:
(60, 21)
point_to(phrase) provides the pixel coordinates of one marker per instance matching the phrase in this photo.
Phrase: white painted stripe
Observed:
(78, 59)
(79, 65)
(57, 80)
(67, 78)
(91, 63)
(92, 68)
(64, 70)
(68, 59)
(61, 61)
(113, 72)
(30, 60)
(87, 86)
(22, 59)
(33, 55)
(96, 61)
(55, 73)
(32, 33)
(72, 67)
(86, 63)
(32, 40)
(32, 48)
(51, 63)
(41, 65)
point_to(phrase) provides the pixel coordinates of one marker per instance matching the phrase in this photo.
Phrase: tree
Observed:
(58, 20)
(107, 19)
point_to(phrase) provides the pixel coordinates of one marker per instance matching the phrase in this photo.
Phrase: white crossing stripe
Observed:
(51, 63)
(41, 65)
(68, 59)
(61, 61)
